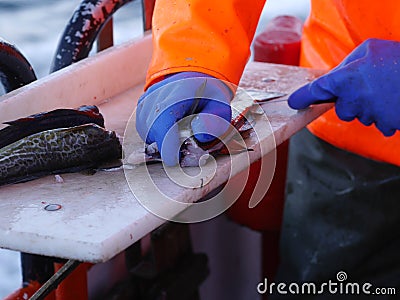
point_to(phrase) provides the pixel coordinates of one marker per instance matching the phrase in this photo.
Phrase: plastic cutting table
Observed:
(93, 218)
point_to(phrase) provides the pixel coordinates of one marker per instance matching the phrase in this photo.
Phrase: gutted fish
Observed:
(245, 106)
(58, 151)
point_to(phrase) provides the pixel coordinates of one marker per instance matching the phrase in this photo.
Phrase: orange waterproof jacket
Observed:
(209, 36)
(333, 30)
(214, 37)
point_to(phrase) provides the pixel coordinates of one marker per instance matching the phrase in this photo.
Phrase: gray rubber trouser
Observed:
(342, 213)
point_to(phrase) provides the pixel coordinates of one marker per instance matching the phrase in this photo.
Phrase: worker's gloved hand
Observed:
(366, 85)
(179, 95)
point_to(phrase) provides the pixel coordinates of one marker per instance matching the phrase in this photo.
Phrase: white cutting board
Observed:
(99, 215)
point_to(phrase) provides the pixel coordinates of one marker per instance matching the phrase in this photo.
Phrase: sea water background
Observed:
(35, 26)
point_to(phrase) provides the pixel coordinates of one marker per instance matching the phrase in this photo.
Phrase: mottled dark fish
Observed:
(58, 151)
(59, 118)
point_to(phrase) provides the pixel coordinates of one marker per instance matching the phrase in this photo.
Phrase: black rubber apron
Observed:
(342, 213)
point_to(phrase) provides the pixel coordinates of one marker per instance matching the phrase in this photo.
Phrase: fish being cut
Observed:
(245, 106)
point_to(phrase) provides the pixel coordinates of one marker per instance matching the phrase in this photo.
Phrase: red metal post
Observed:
(278, 43)
(27, 291)
(74, 287)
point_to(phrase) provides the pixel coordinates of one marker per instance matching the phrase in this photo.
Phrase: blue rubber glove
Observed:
(174, 98)
(366, 86)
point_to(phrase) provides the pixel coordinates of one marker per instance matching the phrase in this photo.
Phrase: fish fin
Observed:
(234, 147)
(53, 118)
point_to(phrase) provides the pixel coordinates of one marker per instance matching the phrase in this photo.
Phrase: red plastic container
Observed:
(280, 41)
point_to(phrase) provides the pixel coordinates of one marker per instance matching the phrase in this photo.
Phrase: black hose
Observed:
(15, 70)
(82, 30)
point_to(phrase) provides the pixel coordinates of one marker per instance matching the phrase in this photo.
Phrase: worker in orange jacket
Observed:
(341, 209)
